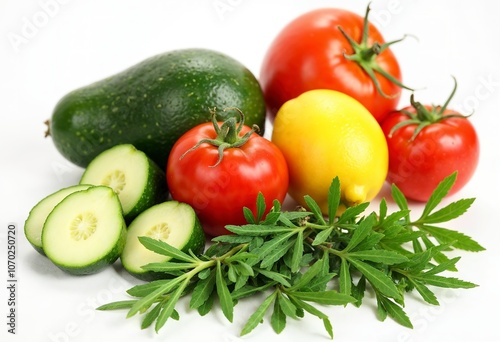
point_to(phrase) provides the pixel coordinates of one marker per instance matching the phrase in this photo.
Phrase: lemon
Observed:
(323, 134)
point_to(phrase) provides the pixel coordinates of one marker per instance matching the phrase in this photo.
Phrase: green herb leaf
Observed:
(226, 302)
(324, 297)
(379, 280)
(258, 315)
(345, 281)
(316, 210)
(322, 236)
(395, 312)
(361, 232)
(202, 291)
(333, 198)
(164, 248)
(450, 212)
(438, 194)
(457, 239)
(278, 318)
(379, 256)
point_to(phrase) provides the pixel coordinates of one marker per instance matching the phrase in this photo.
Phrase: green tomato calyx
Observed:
(424, 116)
(366, 57)
(228, 134)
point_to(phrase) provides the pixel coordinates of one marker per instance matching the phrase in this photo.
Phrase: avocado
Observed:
(151, 104)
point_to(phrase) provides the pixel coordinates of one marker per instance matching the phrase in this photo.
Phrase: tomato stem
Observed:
(365, 56)
(424, 116)
(228, 134)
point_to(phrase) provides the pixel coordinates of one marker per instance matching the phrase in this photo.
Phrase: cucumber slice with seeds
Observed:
(86, 231)
(173, 222)
(38, 214)
(137, 180)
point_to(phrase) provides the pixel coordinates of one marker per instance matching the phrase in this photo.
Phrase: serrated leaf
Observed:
(333, 198)
(122, 304)
(379, 280)
(382, 211)
(258, 315)
(322, 236)
(248, 290)
(329, 297)
(151, 316)
(308, 275)
(234, 239)
(448, 265)
(378, 256)
(261, 206)
(353, 212)
(278, 318)
(450, 212)
(167, 267)
(225, 300)
(257, 229)
(358, 291)
(438, 194)
(248, 214)
(315, 209)
(145, 289)
(345, 281)
(424, 291)
(399, 198)
(396, 312)
(274, 253)
(163, 248)
(202, 291)
(206, 307)
(287, 306)
(298, 251)
(302, 305)
(168, 309)
(447, 282)
(458, 239)
(271, 218)
(277, 277)
(364, 228)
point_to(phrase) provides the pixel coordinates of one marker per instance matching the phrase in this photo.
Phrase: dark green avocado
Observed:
(151, 104)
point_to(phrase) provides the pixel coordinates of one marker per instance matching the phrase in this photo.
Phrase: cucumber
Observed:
(38, 214)
(151, 104)
(85, 232)
(137, 180)
(173, 222)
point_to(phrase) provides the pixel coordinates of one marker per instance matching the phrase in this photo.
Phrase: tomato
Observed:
(219, 168)
(336, 49)
(426, 144)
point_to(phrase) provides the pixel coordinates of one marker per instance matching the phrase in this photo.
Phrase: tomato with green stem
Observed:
(332, 48)
(428, 143)
(220, 167)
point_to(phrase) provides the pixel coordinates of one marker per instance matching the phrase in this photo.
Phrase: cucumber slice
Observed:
(86, 231)
(137, 180)
(38, 214)
(173, 222)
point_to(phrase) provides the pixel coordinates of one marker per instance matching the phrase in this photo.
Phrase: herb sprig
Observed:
(301, 260)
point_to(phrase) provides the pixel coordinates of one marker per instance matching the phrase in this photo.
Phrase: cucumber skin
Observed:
(78, 187)
(104, 261)
(151, 104)
(156, 191)
(196, 244)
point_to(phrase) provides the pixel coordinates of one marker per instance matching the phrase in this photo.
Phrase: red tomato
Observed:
(218, 184)
(426, 144)
(312, 52)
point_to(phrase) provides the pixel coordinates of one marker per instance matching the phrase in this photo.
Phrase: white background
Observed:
(49, 47)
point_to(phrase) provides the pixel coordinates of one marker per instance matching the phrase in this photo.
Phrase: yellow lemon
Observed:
(323, 134)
